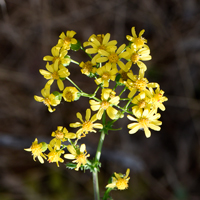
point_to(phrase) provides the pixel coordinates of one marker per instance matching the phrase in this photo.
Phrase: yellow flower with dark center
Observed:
(145, 120)
(106, 103)
(136, 56)
(106, 74)
(70, 94)
(55, 72)
(37, 150)
(78, 156)
(48, 99)
(113, 56)
(86, 126)
(87, 68)
(54, 155)
(66, 40)
(120, 181)
(138, 41)
(61, 135)
(59, 55)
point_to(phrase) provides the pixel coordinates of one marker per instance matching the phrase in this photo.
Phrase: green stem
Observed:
(73, 84)
(97, 158)
(75, 62)
(106, 194)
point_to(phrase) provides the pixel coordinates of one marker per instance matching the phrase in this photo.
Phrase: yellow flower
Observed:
(120, 181)
(138, 41)
(65, 41)
(147, 119)
(78, 156)
(135, 56)
(54, 155)
(86, 126)
(61, 135)
(106, 103)
(37, 150)
(141, 101)
(87, 68)
(58, 54)
(113, 56)
(138, 83)
(55, 73)
(157, 99)
(70, 94)
(106, 74)
(48, 99)
(124, 76)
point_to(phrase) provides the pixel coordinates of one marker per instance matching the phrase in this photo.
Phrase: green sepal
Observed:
(58, 95)
(70, 165)
(44, 146)
(117, 78)
(76, 47)
(78, 96)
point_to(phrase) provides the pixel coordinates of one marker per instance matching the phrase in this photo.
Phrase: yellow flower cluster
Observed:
(110, 67)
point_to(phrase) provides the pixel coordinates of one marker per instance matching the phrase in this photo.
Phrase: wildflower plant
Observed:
(106, 63)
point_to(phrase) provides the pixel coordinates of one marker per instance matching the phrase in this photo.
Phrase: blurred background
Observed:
(164, 167)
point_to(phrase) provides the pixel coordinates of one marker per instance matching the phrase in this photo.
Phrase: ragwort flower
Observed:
(106, 74)
(86, 126)
(70, 94)
(37, 150)
(61, 135)
(66, 40)
(87, 68)
(138, 41)
(48, 99)
(120, 181)
(106, 104)
(54, 155)
(145, 120)
(55, 72)
(78, 156)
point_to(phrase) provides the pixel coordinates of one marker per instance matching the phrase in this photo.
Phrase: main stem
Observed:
(97, 158)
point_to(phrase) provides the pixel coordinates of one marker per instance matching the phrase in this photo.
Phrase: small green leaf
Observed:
(57, 95)
(76, 47)
(70, 165)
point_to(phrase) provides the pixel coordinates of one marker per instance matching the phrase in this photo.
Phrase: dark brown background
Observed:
(163, 167)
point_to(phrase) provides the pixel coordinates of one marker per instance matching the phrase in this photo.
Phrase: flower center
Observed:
(102, 47)
(143, 122)
(87, 68)
(67, 40)
(59, 135)
(135, 58)
(124, 76)
(122, 184)
(106, 76)
(141, 104)
(113, 58)
(55, 75)
(36, 149)
(140, 85)
(87, 126)
(47, 101)
(53, 156)
(99, 38)
(81, 159)
(54, 59)
(139, 42)
(104, 105)
(69, 96)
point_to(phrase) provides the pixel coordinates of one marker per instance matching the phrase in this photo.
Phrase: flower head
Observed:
(54, 155)
(106, 74)
(87, 68)
(61, 135)
(138, 41)
(113, 56)
(106, 103)
(48, 99)
(119, 181)
(55, 72)
(59, 55)
(66, 40)
(86, 126)
(145, 120)
(78, 155)
(70, 94)
(37, 150)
